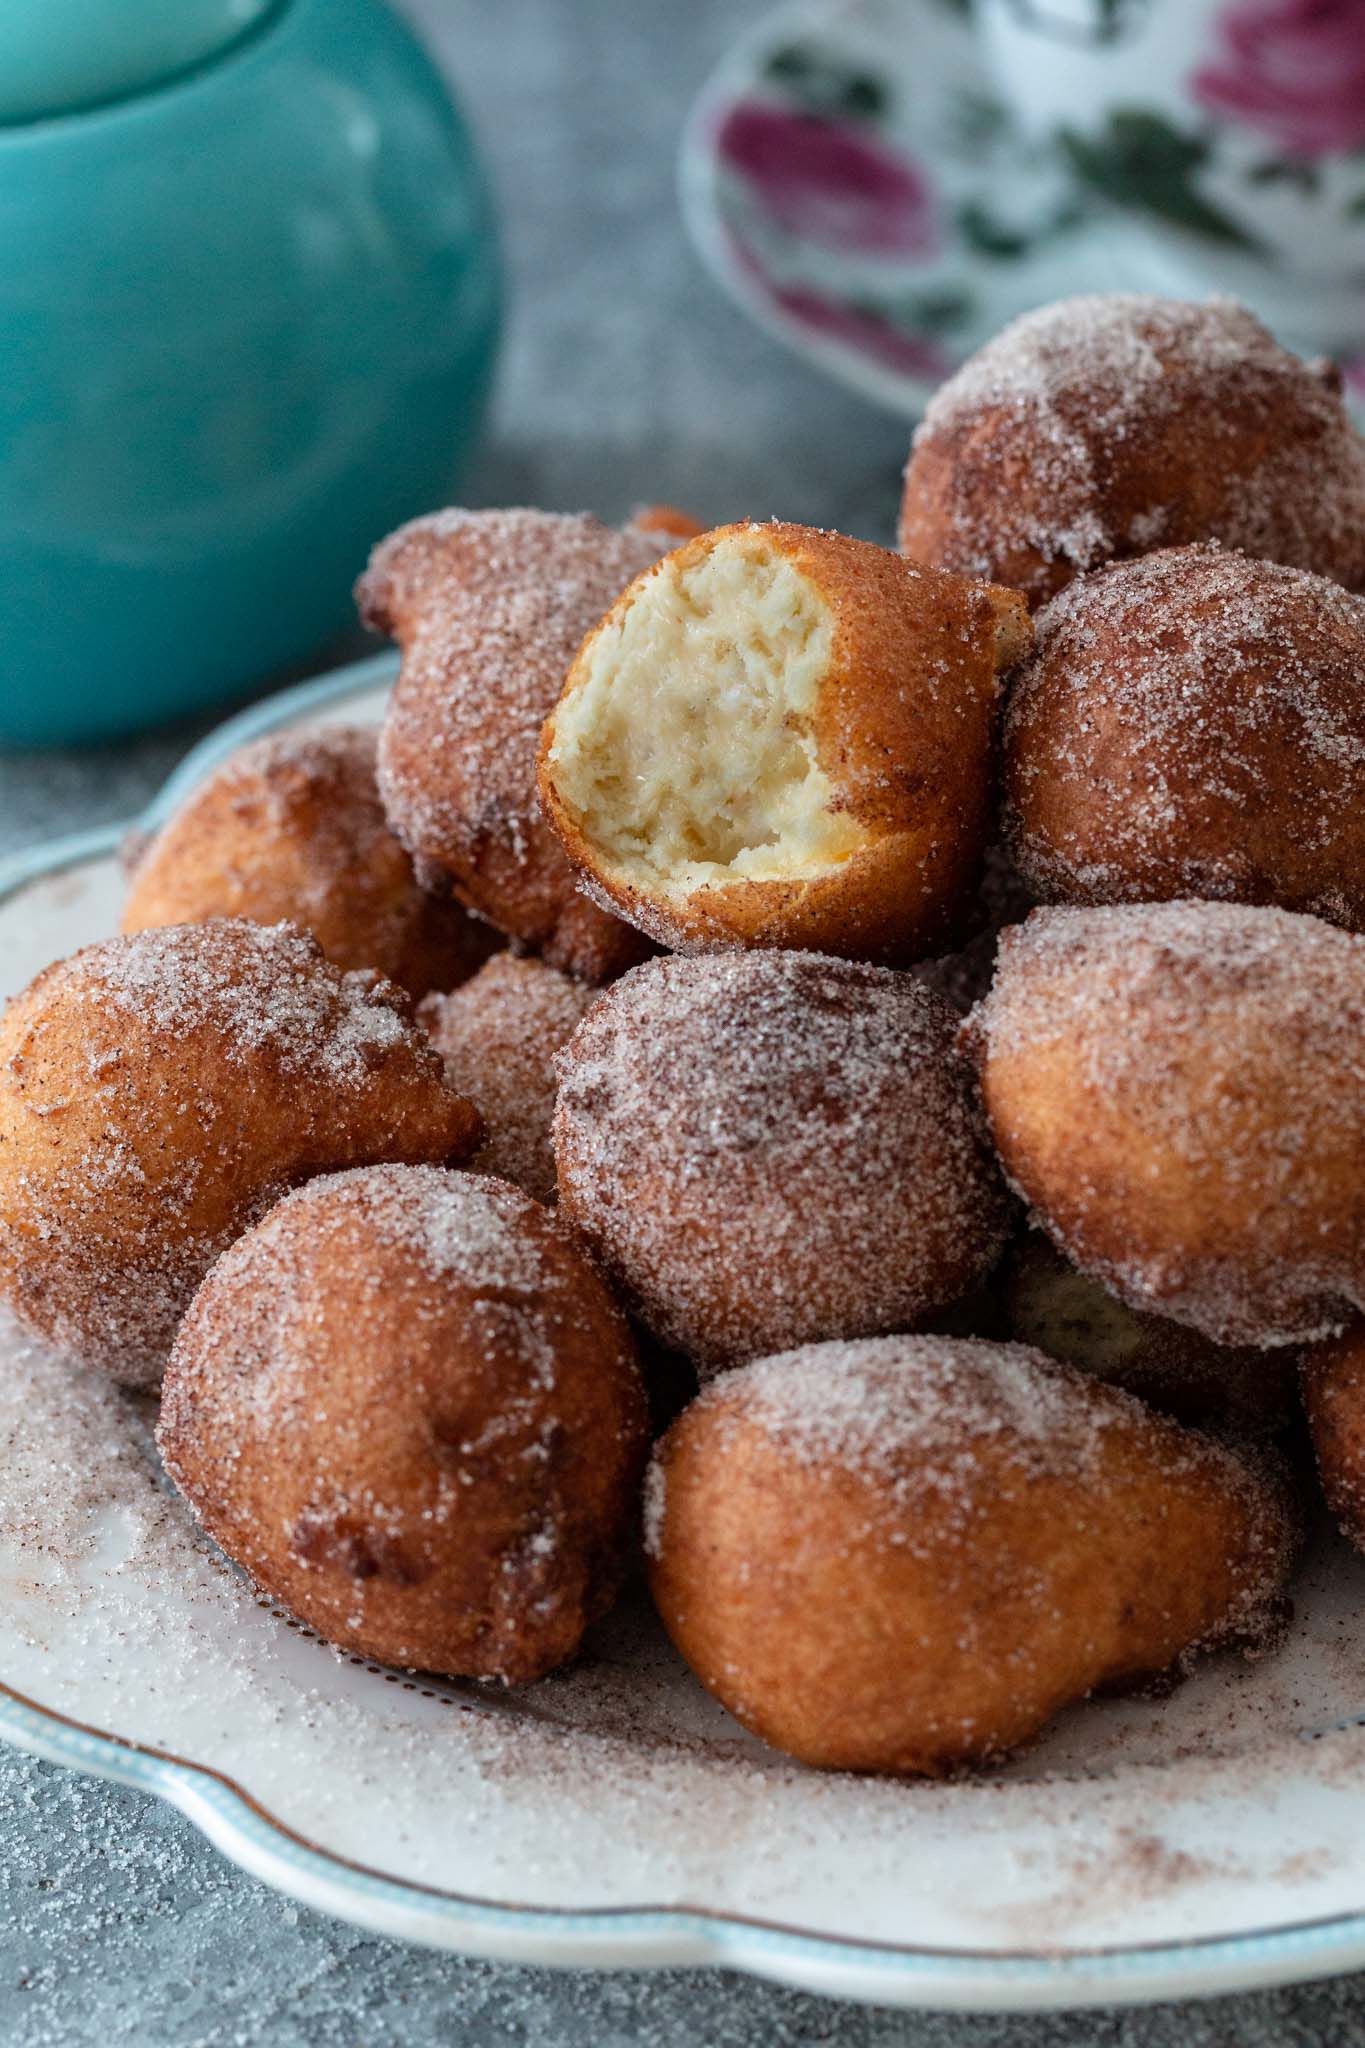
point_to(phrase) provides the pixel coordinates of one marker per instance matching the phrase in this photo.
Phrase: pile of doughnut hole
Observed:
(837, 1075)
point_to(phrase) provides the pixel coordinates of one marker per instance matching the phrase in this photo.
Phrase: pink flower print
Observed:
(832, 185)
(1294, 69)
(870, 332)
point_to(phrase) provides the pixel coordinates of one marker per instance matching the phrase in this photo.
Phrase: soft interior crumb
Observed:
(685, 753)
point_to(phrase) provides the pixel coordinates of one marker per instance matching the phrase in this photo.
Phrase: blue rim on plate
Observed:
(617, 1936)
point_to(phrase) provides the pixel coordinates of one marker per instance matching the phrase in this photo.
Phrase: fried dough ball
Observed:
(905, 1554)
(764, 1149)
(159, 1091)
(1178, 1091)
(1193, 724)
(779, 737)
(489, 609)
(407, 1406)
(1333, 1382)
(1055, 1308)
(292, 828)
(1098, 428)
(498, 1036)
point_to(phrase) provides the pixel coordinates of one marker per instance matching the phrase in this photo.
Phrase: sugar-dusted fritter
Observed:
(159, 1091)
(291, 827)
(408, 1407)
(905, 1554)
(1178, 1091)
(764, 1149)
(1193, 724)
(489, 609)
(1103, 427)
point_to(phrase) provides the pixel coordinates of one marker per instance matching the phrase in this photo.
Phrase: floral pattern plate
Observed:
(850, 178)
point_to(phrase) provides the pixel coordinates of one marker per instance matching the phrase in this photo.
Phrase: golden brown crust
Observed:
(489, 609)
(903, 727)
(292, 828)
(159, 1091)
(1100, 428)
(1192, 724)
(408, 1407)
(1333, 1385)
(768, 1148)
(904, 1555)
(1175, 1089)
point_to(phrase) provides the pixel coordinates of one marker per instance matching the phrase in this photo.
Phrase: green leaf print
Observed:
(821, 84)
(1143, 160)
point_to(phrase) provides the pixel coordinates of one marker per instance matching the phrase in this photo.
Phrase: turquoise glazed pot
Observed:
(247, 323)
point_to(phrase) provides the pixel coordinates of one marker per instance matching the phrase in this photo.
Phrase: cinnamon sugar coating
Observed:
(159, 1091)
(905, 1554)
(498, 1036)
(1103, 427)
(408, 1407)
(1178, 1091)
(489, 609)
(1193, 724)
(768, 1148)
(292, 828)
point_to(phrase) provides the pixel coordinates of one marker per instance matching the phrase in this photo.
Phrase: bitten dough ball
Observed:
(158, 1092)
(1103, 427)
(1193, 724)
(409, 1409)
(1053, 1307)
(498, 1036)
(1333, 1382)
(292, 828)
(906, 1554)
(768, 1148)
(780, 737)
(1178, 1092)
(489, 609)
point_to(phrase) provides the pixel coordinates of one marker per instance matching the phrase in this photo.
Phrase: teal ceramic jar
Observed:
(248, 313)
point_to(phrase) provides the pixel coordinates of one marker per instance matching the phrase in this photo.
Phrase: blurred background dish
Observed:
(247, 320)
(1233, 131)
(853, 178)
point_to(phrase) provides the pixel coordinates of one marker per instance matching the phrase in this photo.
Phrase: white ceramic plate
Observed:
(849, 177)
(615, 1815)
